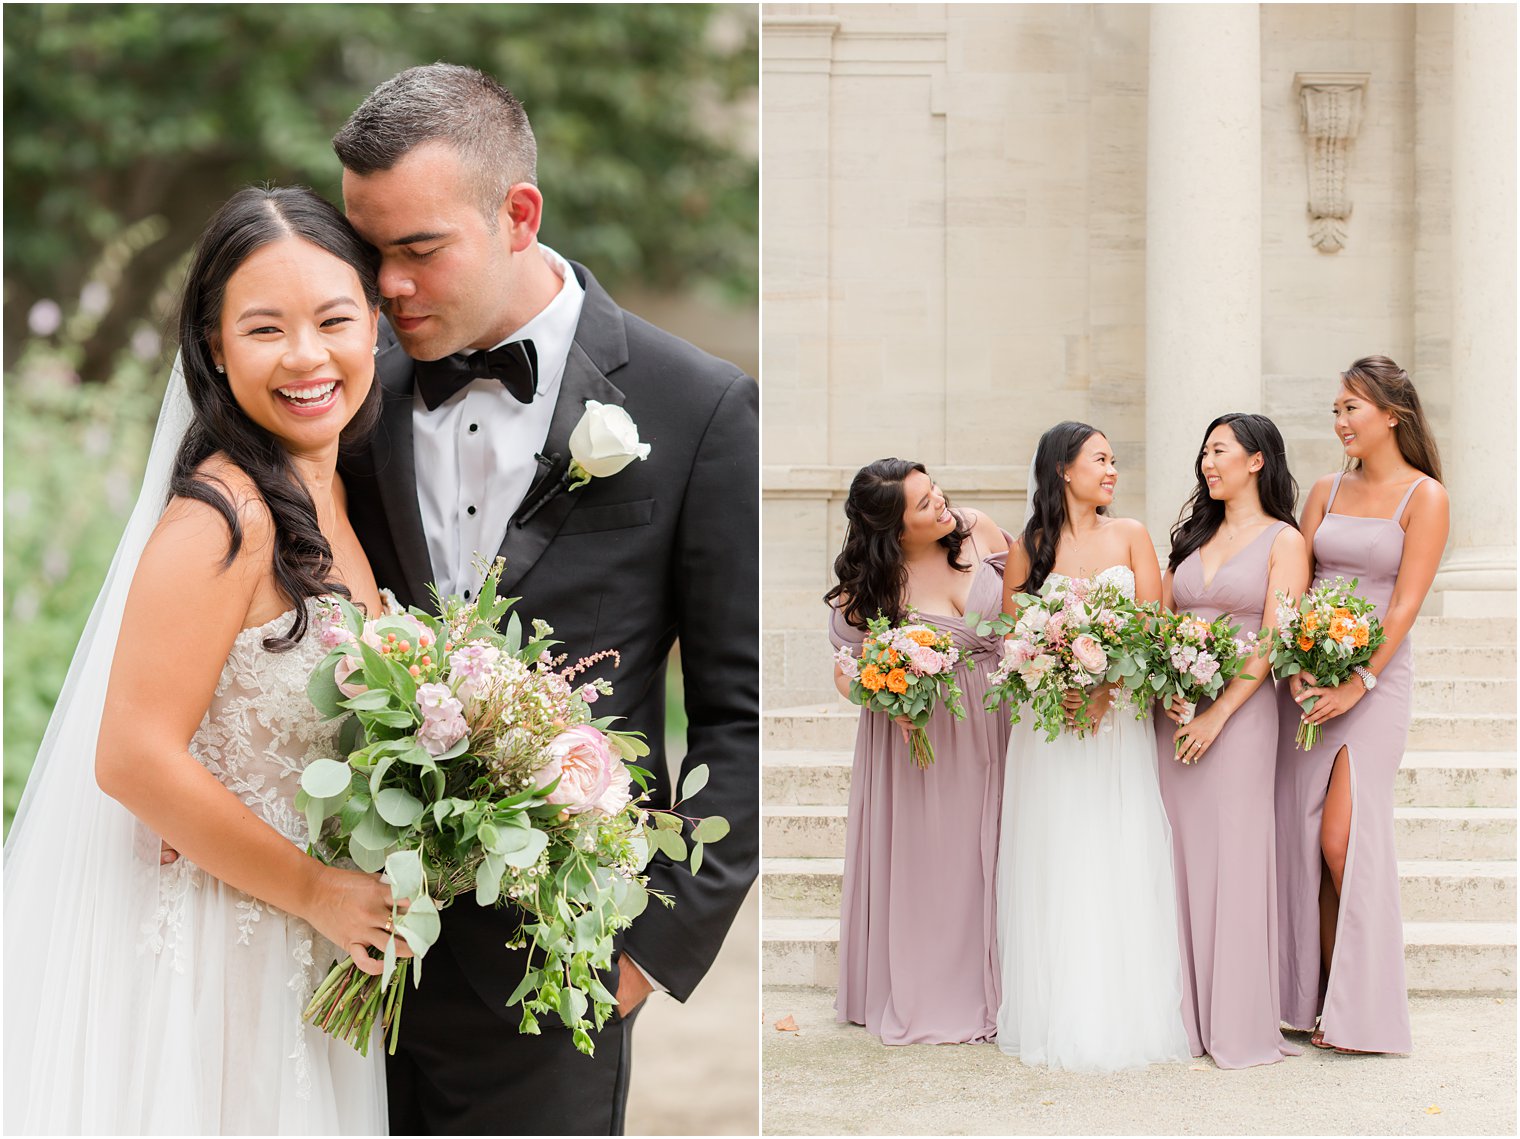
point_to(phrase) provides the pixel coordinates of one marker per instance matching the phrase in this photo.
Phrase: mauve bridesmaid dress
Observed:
(1363, 1004)
(1223, 838)
(918, 961)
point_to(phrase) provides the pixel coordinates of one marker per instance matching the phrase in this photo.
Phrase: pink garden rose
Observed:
(1089, 654)
(347, 665)
(588, 770)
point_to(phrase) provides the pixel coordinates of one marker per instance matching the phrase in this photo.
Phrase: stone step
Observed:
(1420, 833)
(1464, 694)
(1446, 957)
(1428, 890)
(1425, 779)
(832, 728)
(1472, 660)
(1465, 632)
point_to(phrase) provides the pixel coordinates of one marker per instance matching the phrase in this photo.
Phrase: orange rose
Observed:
(1305, 643)
(1311, 621)
(1339, 629)
(1359, 636)
(891, 656)
(922, 637)
(1343, 613)
(897, 681)
(871, 678)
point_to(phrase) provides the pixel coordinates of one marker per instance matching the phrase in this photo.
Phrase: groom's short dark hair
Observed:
(444, 102)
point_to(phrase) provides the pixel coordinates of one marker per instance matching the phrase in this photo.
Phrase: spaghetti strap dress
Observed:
(918, 959)
(1223, 838)
(1362, 1004)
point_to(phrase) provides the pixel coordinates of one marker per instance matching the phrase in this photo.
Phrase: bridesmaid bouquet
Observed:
(1191, 657)
(1328, 634)
(474, 764)
(1078, 635)
(907, 670)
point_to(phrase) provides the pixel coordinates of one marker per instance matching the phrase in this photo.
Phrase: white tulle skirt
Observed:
(1087, 911)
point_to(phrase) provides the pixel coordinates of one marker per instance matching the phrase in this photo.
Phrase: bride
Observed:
(143, 997)
(1087, 920)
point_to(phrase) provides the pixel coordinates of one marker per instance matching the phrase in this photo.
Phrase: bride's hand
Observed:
(1072, 702)
(353, 911)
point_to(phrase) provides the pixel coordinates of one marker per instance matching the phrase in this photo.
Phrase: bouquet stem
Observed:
(1308, 734)
(920, 748)
(348, 1001)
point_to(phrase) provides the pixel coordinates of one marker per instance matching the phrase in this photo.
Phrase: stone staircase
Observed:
(1454, 819)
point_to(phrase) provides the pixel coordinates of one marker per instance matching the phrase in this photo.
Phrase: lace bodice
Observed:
(261, 730)
(1122, 576)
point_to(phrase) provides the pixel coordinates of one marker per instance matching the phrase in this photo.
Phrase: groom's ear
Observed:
(520, 215)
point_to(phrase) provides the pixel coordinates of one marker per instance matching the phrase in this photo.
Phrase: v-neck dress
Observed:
(918, 960)
(1363, 1003)
(1223, 838)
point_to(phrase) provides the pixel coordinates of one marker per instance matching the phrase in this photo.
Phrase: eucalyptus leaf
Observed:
(696, 856)
(325, 778)
(374, 832)
(572, 1005)
(695, 780)
(322, 689)
(710, 829)
(635, 902)
(420, 925)
(368, 701)
(404, 869)
(488, 880)
(369, 860)
(528, 855)
(525, 986)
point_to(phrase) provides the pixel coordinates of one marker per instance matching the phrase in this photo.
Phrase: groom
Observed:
(498, 345)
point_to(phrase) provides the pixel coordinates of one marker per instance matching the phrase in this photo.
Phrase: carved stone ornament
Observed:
(1331, 103)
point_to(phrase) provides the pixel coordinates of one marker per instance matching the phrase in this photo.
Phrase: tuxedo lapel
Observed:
(548, 501)
(395, 468)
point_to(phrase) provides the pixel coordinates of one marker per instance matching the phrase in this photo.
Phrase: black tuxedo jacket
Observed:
(666, 549)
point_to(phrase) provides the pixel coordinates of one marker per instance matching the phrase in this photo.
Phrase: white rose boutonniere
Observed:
(604, 442)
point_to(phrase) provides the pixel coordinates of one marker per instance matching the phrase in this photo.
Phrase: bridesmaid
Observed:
(1337, 871)
(1234, 547)
(918, 957)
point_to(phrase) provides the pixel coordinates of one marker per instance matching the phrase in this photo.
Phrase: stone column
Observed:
(1203, 238)
(1477, 577)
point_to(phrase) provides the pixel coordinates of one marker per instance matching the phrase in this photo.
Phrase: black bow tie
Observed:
(514, 364)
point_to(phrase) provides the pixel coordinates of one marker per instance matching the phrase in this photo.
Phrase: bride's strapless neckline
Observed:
(388, 606)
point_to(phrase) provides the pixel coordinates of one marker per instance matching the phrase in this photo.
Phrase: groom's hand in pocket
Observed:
(633, 987)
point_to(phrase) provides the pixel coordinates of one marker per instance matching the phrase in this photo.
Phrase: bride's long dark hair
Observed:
(1201, 515)
(250, 220)
(870, 571)
(1058, 449)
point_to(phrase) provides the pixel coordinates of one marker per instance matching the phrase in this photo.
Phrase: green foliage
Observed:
(116, 113)
(73, 464)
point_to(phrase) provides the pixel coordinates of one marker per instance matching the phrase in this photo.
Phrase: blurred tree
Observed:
(142, 118)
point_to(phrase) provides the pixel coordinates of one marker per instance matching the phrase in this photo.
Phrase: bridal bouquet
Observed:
(1328, 634)
(906, 670)
(474, 764)
(1192, 658)
(1078, 635)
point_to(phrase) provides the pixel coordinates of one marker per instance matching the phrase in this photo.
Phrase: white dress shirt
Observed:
(475, 453)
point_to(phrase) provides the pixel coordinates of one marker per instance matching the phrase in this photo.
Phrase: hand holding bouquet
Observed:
(474, 764)
(1328, 635)
(907, 670)
(1078, 635)
(1192, 658)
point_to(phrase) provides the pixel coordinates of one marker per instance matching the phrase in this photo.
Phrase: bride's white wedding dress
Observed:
(1087, 913)
(215, 1041)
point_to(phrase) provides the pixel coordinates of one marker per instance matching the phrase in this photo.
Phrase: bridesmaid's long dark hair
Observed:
(870, 570)
(1386, 384)
(250, 220)
(1058, 449)
(1201, 515)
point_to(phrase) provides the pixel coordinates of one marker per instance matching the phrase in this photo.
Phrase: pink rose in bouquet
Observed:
(583, 762)
(1089, 654)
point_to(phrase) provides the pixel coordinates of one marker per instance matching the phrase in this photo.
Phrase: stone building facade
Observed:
(981, 219)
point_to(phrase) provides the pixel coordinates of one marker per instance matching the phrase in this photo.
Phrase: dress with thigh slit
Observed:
(1363, 1003)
